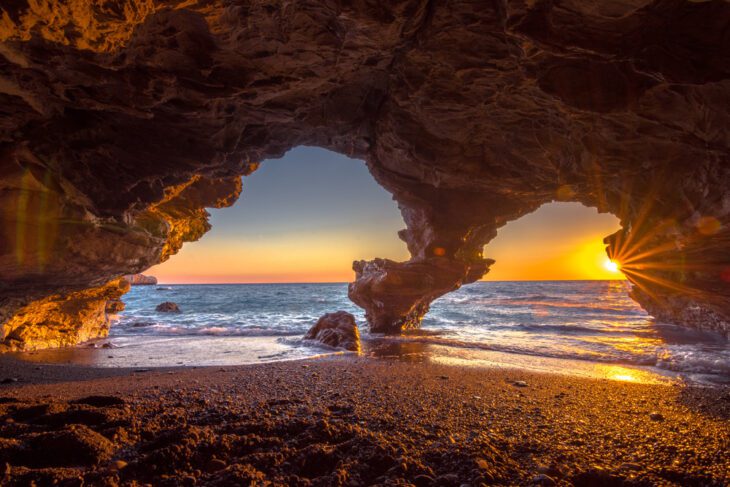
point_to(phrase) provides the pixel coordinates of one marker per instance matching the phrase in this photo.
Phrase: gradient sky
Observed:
(307, 216)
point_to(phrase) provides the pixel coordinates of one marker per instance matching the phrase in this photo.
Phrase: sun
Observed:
(611, 265)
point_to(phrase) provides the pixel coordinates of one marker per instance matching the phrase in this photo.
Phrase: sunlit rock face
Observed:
(122, 120)
(63, 319)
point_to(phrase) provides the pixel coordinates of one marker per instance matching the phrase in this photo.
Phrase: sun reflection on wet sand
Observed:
(575, 368)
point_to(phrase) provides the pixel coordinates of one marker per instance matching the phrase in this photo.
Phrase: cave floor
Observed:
(355, 421)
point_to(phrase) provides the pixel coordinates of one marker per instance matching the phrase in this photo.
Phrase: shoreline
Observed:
(171, 352)
(354, 421)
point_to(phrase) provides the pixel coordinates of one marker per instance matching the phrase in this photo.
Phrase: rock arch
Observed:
(122, 120)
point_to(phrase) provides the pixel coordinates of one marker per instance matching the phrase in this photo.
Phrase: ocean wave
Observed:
(695, 361)
(157, 329)
(566, 320)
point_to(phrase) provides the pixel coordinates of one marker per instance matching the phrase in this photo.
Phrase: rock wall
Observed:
(62, 319)
(123, 119)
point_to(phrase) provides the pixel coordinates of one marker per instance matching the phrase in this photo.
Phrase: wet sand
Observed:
(354, 421)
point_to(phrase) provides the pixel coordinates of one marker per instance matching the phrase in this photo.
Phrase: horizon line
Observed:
(347, 282)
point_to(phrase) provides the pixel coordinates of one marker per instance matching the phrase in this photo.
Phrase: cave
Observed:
(122, 121)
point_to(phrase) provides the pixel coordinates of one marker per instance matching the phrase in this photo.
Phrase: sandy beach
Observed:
(354, 421)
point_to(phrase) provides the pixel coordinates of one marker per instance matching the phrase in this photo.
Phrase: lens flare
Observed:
(611, 266)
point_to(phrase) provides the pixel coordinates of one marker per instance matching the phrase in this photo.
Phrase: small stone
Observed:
(215, 464)
(424, 481)
(9, 380)
(519, 383)
(482, 464)
(542, 479)
(447, 479)
(654, 416)
(443, 377)
(120, 464)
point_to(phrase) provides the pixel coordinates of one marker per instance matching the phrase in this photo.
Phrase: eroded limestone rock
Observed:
(338, 330)
(121, 122)
(114, 306)
(62, 320)
(141, 280)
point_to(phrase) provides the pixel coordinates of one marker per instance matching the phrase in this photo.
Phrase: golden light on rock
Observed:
(565, 193)
(708, 225)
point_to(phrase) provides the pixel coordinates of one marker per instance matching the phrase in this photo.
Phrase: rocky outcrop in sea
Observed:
(141, 280)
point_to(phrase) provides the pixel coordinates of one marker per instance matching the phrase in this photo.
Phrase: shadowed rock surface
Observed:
(338, 330)
(123, 120)
(114, 306)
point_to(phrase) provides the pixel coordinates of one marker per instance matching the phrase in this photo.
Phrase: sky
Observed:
(307, 216)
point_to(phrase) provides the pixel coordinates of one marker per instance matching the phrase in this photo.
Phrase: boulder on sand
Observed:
(338, 330)
(168, 307)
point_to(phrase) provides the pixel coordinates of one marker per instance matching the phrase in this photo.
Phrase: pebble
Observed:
(519, 383)
(447, 479)
(214, 465)
(9, 380)
(424, 480)
(543, 479)
(656, 416)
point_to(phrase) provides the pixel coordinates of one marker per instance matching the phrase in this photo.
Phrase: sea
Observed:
(583, 328)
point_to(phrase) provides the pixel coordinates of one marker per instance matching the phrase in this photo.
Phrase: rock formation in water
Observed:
(338, 330)
(122, 120)
(167, 307)
(141, 280)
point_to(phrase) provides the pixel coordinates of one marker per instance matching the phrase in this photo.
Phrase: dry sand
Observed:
(354, 421)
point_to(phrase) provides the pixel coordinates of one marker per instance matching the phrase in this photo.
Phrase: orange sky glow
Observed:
(534, 247)
(307, 216)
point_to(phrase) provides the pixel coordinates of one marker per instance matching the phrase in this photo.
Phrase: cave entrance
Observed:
(271, 265)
